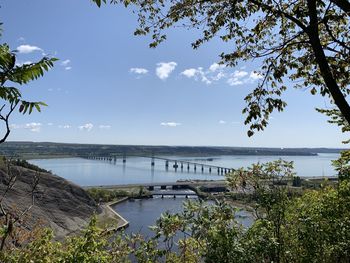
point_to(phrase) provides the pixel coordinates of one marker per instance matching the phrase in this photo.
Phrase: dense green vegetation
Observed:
(107, 195)
(313, 227)
(25, 164)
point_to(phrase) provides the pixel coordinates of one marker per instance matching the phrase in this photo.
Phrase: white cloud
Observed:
(191, 72)
(255, 75)
(217, 72)
(50, 124)
(66, 126)
(20, 63)
(25, 49)
(170, 124)
(68, 68)
(104, 127)
(197, 74)
(222, 122)
(86, 127)
(138, 70)
(215, 66)
(33, 126)
(237, 78)
(234, 82)
(239, 74)
(21, 39)
(219, 76)
(65, 62)
(164, 69)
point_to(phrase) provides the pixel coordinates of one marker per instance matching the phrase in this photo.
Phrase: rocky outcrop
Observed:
(58, 203)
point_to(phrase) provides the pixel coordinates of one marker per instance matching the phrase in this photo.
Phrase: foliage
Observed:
(12, 73)
(104, 195)
(314, 227)
(25, 164)
(337, 118)
(305, 41)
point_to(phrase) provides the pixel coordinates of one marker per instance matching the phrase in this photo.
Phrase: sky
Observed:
(109, 87)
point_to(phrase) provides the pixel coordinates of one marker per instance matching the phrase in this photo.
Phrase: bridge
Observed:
(169, 163)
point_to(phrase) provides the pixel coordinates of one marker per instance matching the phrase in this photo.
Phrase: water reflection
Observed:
(139, 170)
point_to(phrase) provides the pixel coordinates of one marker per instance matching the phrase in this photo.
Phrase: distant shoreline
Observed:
(43, 150)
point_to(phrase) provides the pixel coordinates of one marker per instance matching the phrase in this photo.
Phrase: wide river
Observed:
(143, 213)
(86, 172)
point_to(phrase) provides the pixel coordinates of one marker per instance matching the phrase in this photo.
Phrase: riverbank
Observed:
(110, 219)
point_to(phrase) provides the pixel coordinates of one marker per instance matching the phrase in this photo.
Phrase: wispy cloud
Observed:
(105, 127)
(255, 75)
(21, 39)
(215, 66)
(140, 71)
(222, 122)
(21, 63)
(236, 78)
(33, 126)
(65, 126)
(191, 72)
(197, 74)
(25, 49)
(86, 127)
(164, 69)
(217, 72)
(49, 124)
(170, 124)
(65, 62)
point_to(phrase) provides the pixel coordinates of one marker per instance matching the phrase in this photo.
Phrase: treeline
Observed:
(47, 149)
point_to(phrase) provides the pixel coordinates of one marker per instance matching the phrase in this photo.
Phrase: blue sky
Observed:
(108, 87)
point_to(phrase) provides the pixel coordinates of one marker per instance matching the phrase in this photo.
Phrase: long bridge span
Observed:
(168, 163)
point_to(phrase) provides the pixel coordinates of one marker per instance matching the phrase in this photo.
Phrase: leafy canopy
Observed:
(12, 74)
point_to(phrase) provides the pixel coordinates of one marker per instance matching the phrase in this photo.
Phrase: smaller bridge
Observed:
(173, 194)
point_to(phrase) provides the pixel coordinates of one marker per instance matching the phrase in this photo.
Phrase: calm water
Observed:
(143, 213)
(138, 170)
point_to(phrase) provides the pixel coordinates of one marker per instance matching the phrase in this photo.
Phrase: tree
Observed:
(305, 41)
(11, 74)
(14, 74)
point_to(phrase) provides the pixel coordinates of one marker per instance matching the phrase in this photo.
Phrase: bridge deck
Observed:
(179, 162)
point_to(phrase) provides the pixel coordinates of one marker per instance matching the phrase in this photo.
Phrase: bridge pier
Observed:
(202, 168)
(195, 168)
(175, 165)
(188, 166)
(209, 169)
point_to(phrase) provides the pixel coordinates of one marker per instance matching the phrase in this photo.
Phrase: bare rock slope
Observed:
(58, 203)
